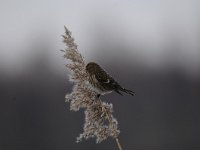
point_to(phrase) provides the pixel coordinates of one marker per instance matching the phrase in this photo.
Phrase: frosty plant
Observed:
(99, 121)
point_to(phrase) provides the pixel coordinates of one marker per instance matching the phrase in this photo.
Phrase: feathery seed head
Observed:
(99, 121)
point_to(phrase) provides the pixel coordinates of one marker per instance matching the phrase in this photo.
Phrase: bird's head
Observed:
(92, 67)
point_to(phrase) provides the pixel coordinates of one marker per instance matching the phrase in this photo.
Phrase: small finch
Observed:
(102, 82)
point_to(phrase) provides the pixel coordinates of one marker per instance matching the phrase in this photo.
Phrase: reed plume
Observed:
(99, 121)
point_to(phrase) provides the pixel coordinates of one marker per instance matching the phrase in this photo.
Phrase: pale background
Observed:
(151, 46)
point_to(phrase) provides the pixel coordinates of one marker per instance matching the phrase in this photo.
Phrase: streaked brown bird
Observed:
(102, 82)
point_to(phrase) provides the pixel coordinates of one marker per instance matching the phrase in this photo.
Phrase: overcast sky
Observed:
(156, 31)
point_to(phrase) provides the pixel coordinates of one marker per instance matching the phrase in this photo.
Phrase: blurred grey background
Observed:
(151, 46)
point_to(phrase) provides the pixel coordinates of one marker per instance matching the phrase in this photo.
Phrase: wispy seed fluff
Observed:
(99, 121)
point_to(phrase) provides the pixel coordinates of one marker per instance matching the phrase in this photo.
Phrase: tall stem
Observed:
(118, 144)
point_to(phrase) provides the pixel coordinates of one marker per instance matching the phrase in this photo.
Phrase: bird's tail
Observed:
(125, 90)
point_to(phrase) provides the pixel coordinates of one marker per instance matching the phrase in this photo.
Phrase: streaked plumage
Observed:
(103, 82)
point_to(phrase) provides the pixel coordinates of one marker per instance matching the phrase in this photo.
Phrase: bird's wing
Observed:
(105, 78)
(102, 79)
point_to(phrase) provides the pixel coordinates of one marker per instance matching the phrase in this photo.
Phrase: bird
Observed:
(102, 82)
